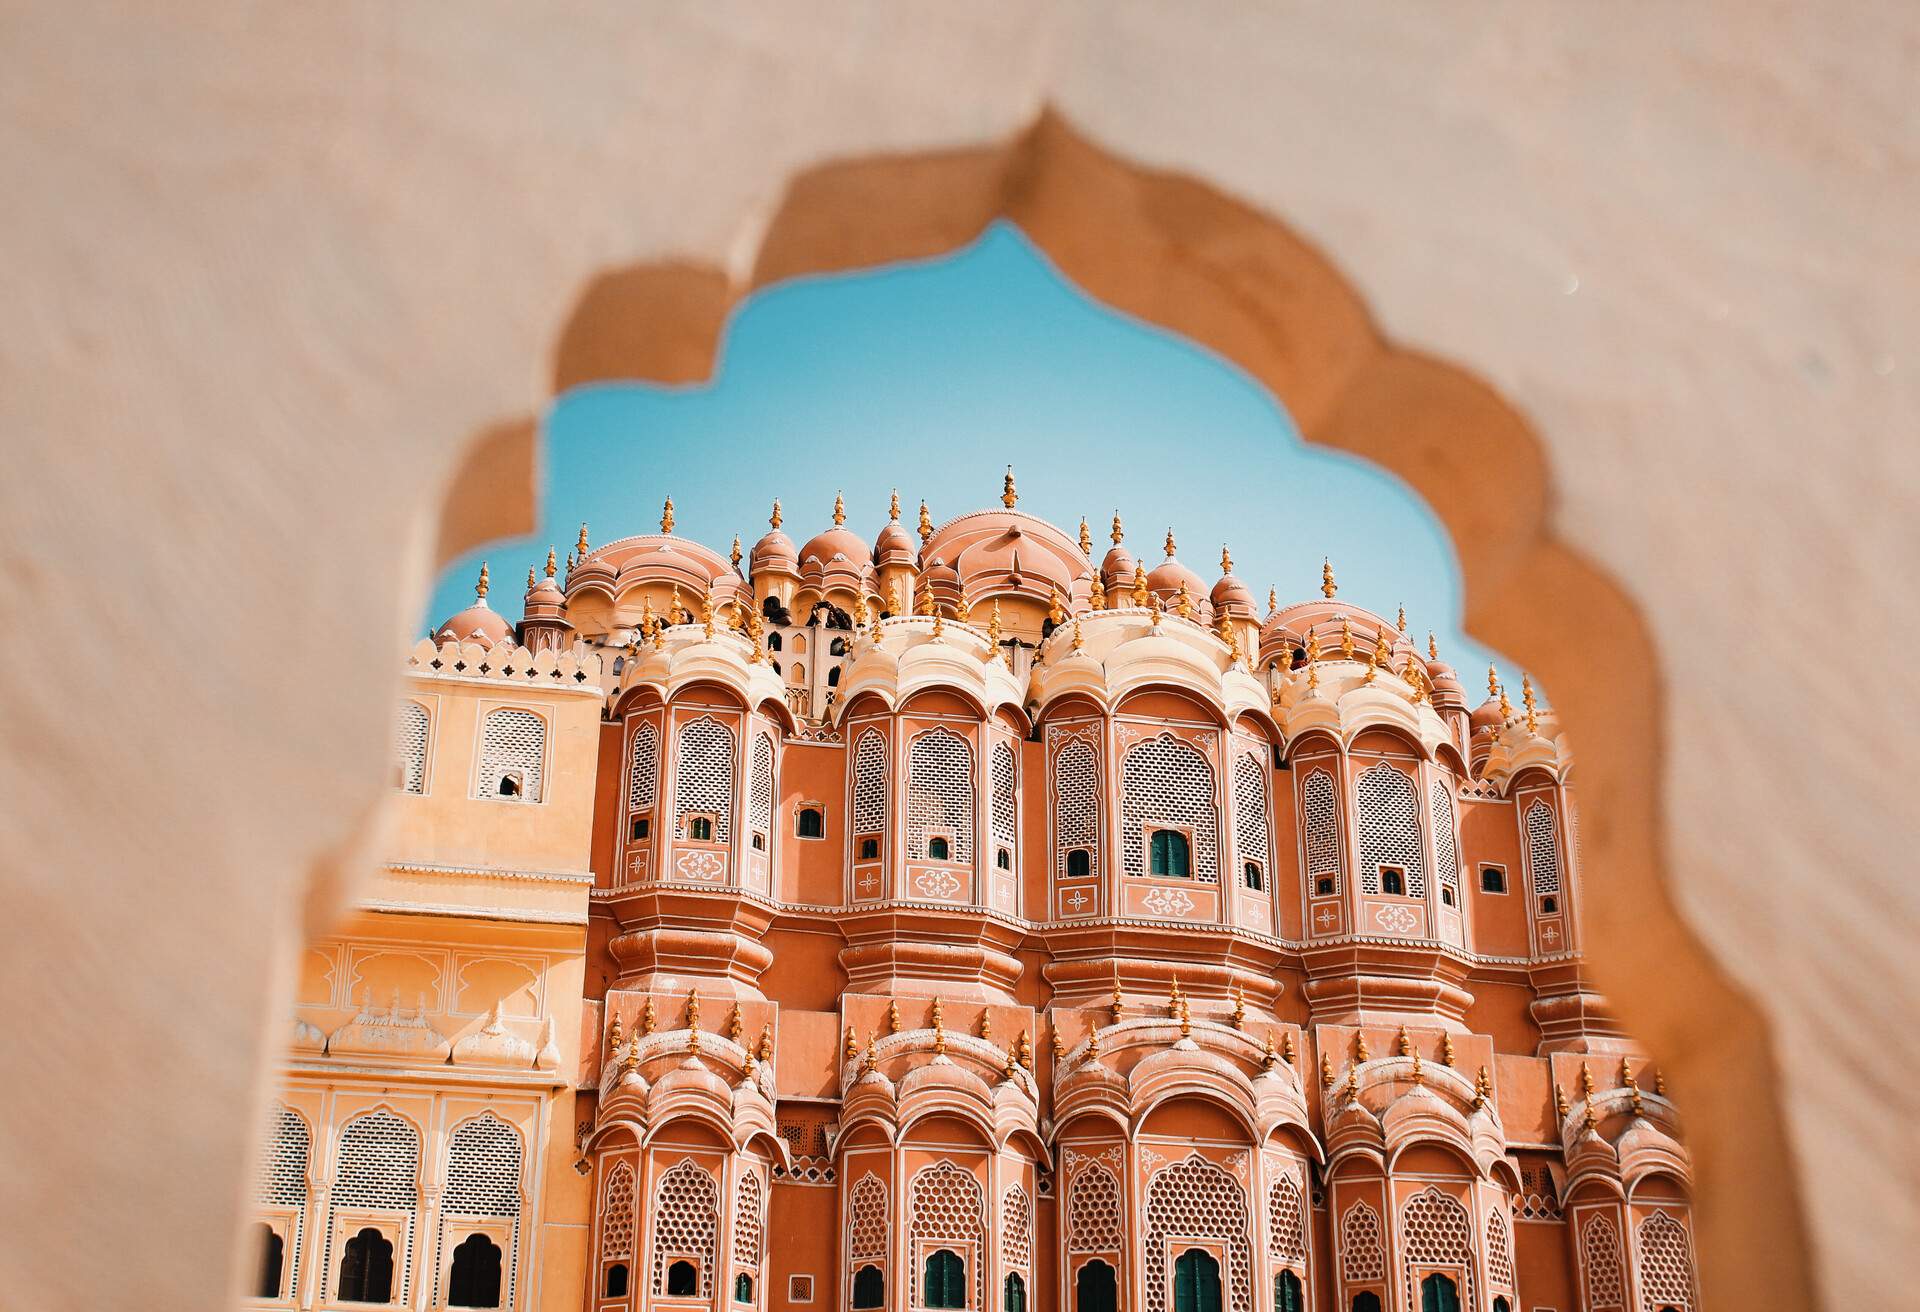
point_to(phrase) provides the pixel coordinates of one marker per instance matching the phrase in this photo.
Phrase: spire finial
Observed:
(1056, 606)
(839, 510)
(1446, 1047)
(736, 1023)
(1008, 496)
(1327, 586)
(1326, 1069)
(666, 516)
(553, 562)
(1287, 1050)
(1169, 544)
(1405, 1042)
(1184, 603)
(649, 1016)
(1433, 648)
(1086, 538)
(1093, 1042)
(853, 1045)
(1139, 585)
(1226, 559)
(1118, 534)
(1097, 596)
(939, 1031)
(1360, 1046)
(1346, 640)
(1493, 681)
(893, 1015)
(1273, 600)
(859, 611)
(530, 578)
(926, 524)
(1559, 1099)
(1506, 707)
(1076, 633)
(993, 631)
(1271, 1056)
(1240, 1013)
(1119, 1002)
(1526, 697)
(871, 1062)
(581, 546)
(1419, 1076)
(481, 587)
(773, 520)
(893, 507)
(1400, 622)
(734, 556)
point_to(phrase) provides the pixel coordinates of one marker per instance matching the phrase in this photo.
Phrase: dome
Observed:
(1489, 714)
(774, 553)
(895, 545)
(837, 557)
(1229, 593)
(1169, 576)
(658, 558)
(996, 552)
(478, 622)
(544, 600)
(1117, 567)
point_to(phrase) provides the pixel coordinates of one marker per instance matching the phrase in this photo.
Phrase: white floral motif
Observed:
(1167, 902)
(1076, 899)
(1395, 920)
(936, 883)
(705, 867)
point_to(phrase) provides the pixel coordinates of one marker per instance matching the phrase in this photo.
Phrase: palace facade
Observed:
(963, 919)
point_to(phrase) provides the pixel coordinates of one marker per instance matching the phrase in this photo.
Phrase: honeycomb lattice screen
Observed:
(512, 743)
(1286, 1228)
(1543, 852)
(703, 782)
(379, 1163)
(616, 1215)
(1499, 1250)
(1076, 804)
(1361, 1256)
(746, 1220)
(1322, 826)
(946, 1202)
(410, 746)
(282, 1180)
(1003, 819)
(643, 769)
(686, 1211)
(1250, 808)
(1093, 1212)
(867, 1219)
(1167, 781)
(1194, 1199)
(760, 787)
(1437, 1230)
(1446, 850)
(940, 793)
(1016, 1228)
(1666, 1264)
(870, 783)
(1387, 813)
(483, 1169)
(1600, 1255)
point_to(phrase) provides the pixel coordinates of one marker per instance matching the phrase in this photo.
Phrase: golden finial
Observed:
(1287, 1051)
(1119, 1002)
(481, 588)
(632, 1060)
(773, 520)
(581, 546)
(874, 630)
(1327, 586)
(938, 1013)
(693, 1010)
(893, 507)
(1405, 1042)
(939, 618)
(1433, 648)
(1559, 1099)
(1660, 1082)
(1419, 1076)
(1099, 594)
(1416, 679)
(926, 603)
(1086, 538)
(1506, 707)
(1346, 640)
(897, 599)
(1326, 1070)
(530, 576)
(666, 516)
(1587, 1118)
(673, 606)
(1058, 1044)
(706, 615)
(961, 610)
(1056, 606)
(839, 510)
(1273, 600)
(613, 1037)
(1633, 1086)
(1076, 633)
(1493, 682)
(1270, 1058)
(939, 1031)
(993, 632)
(1118, 535)
(893, 1015)
(1184, 603)
(1024, 1049)
(765, 1052)
(1173, 997)
(1313, 660)
(1400, 622)
(1139, 585)
(736, 553)
(1526, 697)
(1353, 1084)
(871, 1062)
(1360, 1052)
(1586, 1082)
(1373, 663)
(736, 1026)
(1008, 497)
(1093, 1043)
(926, 524)
(860, 610)
(986, 1023)
(1226, 559)
(1169, 544)
(1186, 1020)
(1240, 1010)
(1482, 1088)
(1446, 1048)
(649, 1017)
(853, 1045)
(553, 564)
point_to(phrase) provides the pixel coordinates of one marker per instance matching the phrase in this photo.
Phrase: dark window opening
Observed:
(1255, 880)
(639, 828)
(509, 785)
(869, 1288)
(475, 1280)
(1169, 854)
(1196, 1282)
(937, 849)
(1016, 1296)
(1501, 1305)
(773, 639)
(759, 842)
(812, 822)
(366, 1269)
(700, 829)
(945, 1284)
(1493, 879)
(1366, 1301)
(1003, 859)
(1446, 895)
(617, 1280)
(1323, 887)
(1439, 1294)
(273, 1256)
(1079, 863)
(1549, 905)
(1094, 1288)
(869, 848)
(833, 677)
(838, 647)
(1393, 880)
(743, 1288)
(683, 1279)
(1287, 1295)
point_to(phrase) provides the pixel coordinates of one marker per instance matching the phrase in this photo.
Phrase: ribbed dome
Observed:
(1000, 552)
(1229, 593)
(894, 546)
(478, 622)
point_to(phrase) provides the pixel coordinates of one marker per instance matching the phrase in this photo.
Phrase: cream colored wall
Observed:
(280, 273)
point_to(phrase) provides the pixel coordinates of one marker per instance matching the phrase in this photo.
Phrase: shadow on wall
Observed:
(1179, 255)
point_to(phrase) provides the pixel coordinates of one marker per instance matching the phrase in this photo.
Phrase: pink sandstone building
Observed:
(963, 919)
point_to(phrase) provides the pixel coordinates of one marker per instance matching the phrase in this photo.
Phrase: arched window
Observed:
(937, 848)
(743, 1288)
(1287, 1294)
(700, 829)
(1501, 1305)
(1387, 814)
(410, 747)
(811, 824)
(617, 1280)
(1366, 1301)
(273, 1256)
(1446, 849)
(686, 1208)
(1166, 781)
(1003, 859)
(869, 848)
(475, 1280)
(1318, 812)
(703, 780)
(869, 1287)
(1079, 863)
(643, 768)
(366, 1269)
(1076, 804)
(773, 639)
(870, 783)
(1250, 810)
(1001, 815)
(760, 791)
(940, 795)
(1543, 851)
(1169, 854)
(282, 1180)
(1439, 1294)
(513, 748)
(798, 677)
(1252, 875)
(683, 1279)
(945, 1280)
(1016, 1295)
(833, 677)
(1196, 1282)
(1095, 1289)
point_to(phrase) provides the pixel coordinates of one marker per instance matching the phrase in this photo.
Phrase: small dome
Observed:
(1446, 684)
(1166, 579)
(478, 622)
(544, 600)
(1229, 593)
(774, 553)
(894, 546)
(835, 546)
(1008, 553)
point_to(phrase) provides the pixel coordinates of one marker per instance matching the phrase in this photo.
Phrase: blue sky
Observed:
(933, 377)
